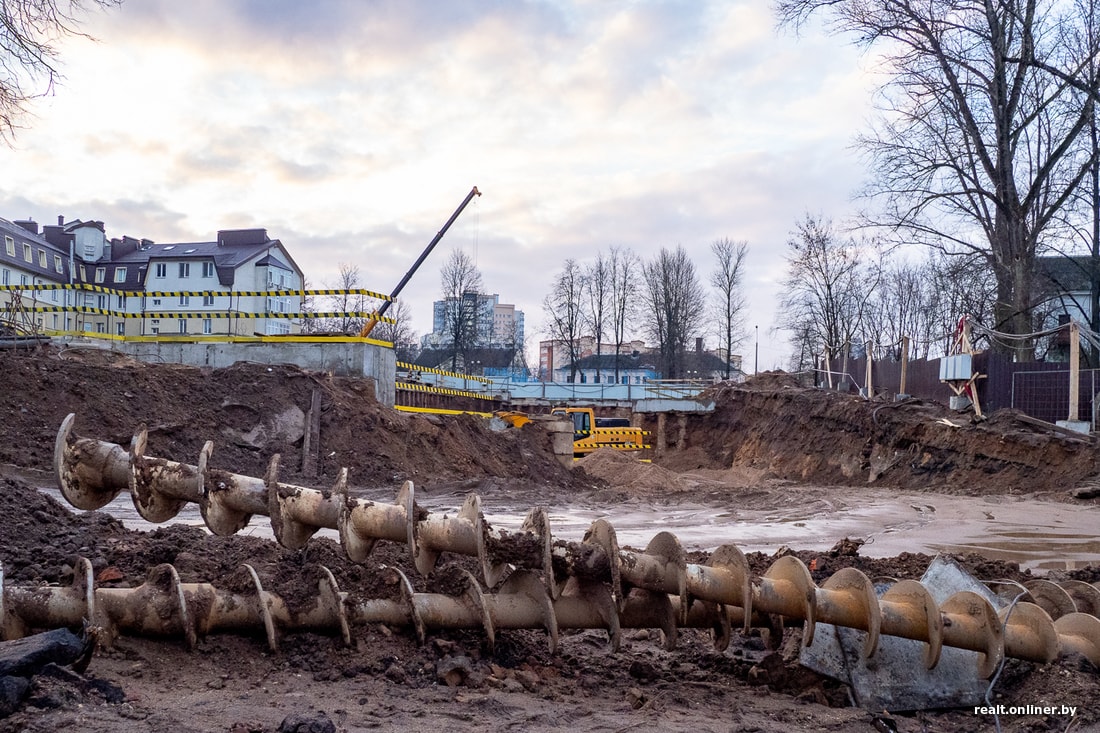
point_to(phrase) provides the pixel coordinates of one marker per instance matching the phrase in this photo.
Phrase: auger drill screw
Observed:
(577, 585)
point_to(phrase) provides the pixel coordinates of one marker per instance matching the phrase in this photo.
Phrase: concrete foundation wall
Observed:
(342, 359)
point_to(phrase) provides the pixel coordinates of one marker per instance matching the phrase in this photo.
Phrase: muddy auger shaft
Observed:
(591, 583)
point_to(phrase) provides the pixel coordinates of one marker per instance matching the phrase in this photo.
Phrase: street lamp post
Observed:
(756, 358)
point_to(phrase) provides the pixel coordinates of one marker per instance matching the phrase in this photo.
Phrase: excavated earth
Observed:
(768, 439)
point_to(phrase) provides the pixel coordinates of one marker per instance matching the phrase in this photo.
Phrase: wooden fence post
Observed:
(904, 364)
(1074, 370)
(869, 390)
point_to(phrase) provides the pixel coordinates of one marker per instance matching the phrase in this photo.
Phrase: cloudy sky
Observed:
(351, 130)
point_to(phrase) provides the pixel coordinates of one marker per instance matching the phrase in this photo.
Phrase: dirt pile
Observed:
(821, 436)
(251, 412)
(384, 679)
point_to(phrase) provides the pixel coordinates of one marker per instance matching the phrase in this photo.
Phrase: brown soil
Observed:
(760, 437)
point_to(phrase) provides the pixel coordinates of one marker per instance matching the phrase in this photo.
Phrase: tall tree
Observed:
(347, 303)
(597, 285)
(461, 284)
(962, 285)
(979, 145)
(729, 306)
(676, 305)
(623, 264)
(564, 306)
(400, 333)
(824, 297)
(28, 57)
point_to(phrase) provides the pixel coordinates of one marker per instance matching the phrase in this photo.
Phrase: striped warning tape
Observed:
(414, 387)
(613, 431)
(440, 411)
(430, 370)
(368, 315)
(193, 293)
(619, 446)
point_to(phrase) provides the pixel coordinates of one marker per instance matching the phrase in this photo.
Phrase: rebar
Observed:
(549, 584)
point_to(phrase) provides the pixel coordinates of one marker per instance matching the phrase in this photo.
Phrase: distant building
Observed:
(555, 353)
(497, 325)
(635, 366)
(228, 271)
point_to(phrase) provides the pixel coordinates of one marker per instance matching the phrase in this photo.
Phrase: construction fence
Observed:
(1038, 389)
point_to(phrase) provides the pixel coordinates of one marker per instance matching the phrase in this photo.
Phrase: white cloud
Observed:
(351, 130)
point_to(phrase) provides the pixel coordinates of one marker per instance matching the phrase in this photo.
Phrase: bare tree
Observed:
(901, 306)
(729, 306)
(461, 284)
(564, 311)
(979, 147)
(347, 303)
(400, 333)
(28, 57)
(962, 285)
(309, 305)
(623, 266)
(824, 297)
(676, 305)
(597, 286)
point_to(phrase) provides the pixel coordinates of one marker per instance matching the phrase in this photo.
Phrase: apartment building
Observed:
(497, 325)
(242, 283)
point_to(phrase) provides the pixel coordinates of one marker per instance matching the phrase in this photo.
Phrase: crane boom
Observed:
(369, 326)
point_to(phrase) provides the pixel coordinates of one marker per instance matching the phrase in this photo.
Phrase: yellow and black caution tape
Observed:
(613, 431)
(206, 314)
(429, 370)
(618, 446)
(414, 387)
(440, 411)
(193, 293)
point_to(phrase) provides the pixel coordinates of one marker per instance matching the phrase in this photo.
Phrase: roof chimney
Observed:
(698, 344)
(61, 220)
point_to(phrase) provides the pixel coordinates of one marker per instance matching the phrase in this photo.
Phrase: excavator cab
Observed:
(582, 424)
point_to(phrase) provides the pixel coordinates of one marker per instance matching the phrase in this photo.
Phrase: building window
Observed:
(57, 263)
(155, 330)
(22, 280)
(55, 321)
(208, 300)
(120, 274)
(183, 325)
(161, 270)
(9, 245)
(100, 274)
(156, 302)
(6, 277)
(27, 252)
(122, 302)
(42, 259)
(185, 269)
(120, 329)
(101, 328)
(207, 326)
(208, 269)
(185, 300)
(101, 301)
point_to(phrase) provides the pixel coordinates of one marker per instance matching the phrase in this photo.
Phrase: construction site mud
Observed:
(768, 452)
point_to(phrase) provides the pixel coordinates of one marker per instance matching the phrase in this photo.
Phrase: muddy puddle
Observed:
(1036, 534)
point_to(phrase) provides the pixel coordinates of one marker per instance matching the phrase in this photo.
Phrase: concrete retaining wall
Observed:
(342, 359)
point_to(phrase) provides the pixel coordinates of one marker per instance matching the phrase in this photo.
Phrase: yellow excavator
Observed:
(370, 324)
(589, 432)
